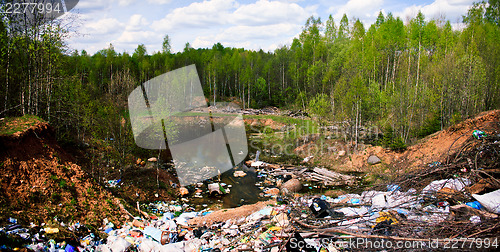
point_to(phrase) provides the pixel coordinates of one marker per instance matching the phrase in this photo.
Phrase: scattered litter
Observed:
(307, 159)
(490, 201)
(257, 164)
(474, 204)
(113, 183)
(50, 230)
(216, 188)
(239, 174)
(435, 164)
(392, 188)
(183, 191)
(395, 209)
(456, 184)
(478, 134)
(475, 219)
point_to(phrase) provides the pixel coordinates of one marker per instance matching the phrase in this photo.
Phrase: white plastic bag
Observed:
(490, 201)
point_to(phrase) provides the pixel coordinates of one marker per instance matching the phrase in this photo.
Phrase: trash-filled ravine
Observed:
(260, 206)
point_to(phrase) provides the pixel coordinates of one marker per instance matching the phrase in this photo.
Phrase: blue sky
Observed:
(251, 24)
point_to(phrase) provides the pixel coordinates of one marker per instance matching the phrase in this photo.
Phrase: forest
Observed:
(410, 76)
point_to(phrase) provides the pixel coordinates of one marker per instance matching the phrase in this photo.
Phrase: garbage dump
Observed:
(392, 214)
(430, 208)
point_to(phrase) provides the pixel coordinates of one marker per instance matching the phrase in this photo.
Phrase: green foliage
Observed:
(391, 71)
(456, 118)
(90, 192)
(62, 183)
(430, 126)
(305, 126)
(493, 12)
(166, 44)
(11, 125)
(301, 99)
(320, 106)
(392, 141)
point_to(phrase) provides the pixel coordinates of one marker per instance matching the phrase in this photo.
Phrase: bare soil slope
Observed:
(40, 181)
(434, 148)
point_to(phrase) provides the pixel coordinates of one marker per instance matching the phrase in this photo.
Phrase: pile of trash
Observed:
(458, 199)
(391, 213)
(264, 111)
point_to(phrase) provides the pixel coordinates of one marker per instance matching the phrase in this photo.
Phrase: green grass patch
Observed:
(62, 183)
(11, 125)
(305, 126)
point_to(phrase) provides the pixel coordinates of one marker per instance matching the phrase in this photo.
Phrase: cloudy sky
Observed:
(251, 24)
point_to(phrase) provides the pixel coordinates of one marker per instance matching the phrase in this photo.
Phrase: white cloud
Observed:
(450, 9)
(265, 32)
(203, 42)
(90, 6)
(362, 9)
(269, 12)
(236, 25)
(252, 24)
(247, 37)
(103, 26)
(125, 2)
(160, 2)
(136, 23)
(136, 37)
(197, 15)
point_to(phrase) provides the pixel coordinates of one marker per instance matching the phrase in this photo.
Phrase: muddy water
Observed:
(242, 190)
(250, 188)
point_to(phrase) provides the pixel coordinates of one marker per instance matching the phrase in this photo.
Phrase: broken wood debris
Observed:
(317, 174)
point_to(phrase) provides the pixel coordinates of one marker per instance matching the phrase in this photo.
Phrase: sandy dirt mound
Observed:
(40, 181)
(254, 122)
(224, 215)
(434, 148)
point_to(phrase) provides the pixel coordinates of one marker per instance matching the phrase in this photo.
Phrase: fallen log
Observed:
(333, 174)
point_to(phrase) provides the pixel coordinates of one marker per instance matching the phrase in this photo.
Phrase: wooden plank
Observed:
(332, 174)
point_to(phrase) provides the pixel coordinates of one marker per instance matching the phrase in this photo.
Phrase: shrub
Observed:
(62, 183)
(389, 140)
(430, 126)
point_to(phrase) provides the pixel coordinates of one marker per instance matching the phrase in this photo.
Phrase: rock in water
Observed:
(291, 186)
(153, 159)
(373, 160)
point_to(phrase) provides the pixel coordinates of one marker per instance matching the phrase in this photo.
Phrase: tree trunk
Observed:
(7, 78)
(356, 125)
